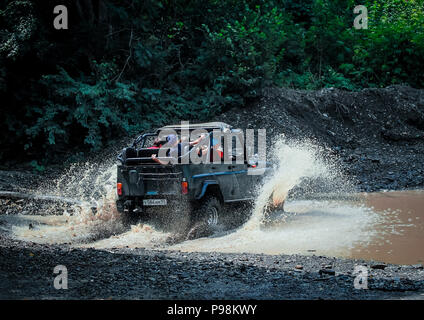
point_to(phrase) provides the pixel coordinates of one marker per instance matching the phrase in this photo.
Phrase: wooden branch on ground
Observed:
(27, 196)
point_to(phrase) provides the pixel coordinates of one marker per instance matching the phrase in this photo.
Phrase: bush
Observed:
(391, 51)
(97, 108)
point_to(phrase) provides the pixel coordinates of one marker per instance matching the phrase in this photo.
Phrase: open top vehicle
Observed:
(185, 193)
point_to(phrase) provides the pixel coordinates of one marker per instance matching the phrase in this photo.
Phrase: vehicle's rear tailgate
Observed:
(149, 180)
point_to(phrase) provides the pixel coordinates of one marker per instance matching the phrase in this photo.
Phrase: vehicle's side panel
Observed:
(207, 186)
(223, 174)
(249, 182)
(245, 181)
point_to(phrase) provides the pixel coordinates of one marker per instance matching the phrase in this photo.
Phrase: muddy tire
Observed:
(210, 212)
(207, 218)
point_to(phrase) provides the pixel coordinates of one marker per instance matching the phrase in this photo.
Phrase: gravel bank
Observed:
(26, 271)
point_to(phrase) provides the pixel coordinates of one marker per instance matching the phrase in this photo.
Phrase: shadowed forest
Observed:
(126, 66)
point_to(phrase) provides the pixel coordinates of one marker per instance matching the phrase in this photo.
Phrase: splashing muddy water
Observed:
(296, 163)
(93, 216)
(327, 227)
(304, 175)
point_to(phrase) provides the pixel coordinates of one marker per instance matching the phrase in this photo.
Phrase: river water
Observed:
(402, 231)
(385, 226)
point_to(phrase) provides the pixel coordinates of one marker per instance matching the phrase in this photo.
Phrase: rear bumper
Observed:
(135, 204)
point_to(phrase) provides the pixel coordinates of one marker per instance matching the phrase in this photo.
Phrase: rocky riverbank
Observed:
(27, 272)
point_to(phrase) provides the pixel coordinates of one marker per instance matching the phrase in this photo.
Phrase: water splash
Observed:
(319, 227)
(297, 164)
(93, 220)
(92, 216)
(92, 183)
(301, 169)
(138, 236)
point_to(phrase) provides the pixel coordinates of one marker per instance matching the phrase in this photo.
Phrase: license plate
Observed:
(154, 202)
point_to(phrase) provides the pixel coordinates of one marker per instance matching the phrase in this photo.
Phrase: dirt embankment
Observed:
(378, 133)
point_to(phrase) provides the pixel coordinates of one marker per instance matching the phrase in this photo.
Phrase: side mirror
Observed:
(253, 161)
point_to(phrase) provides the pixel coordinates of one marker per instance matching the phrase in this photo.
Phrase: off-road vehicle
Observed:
(185, 193)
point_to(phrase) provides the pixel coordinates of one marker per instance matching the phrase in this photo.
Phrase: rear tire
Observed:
(210, 212)
(207, 219)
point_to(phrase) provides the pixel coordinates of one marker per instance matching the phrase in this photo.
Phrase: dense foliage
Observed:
(127, 66)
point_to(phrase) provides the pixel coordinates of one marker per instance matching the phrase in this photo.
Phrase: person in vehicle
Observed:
(177, 146)
(156, 144)
(216, 146)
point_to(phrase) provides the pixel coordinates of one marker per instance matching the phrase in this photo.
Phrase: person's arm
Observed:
(155, 159)
(202, 150)
(197, 141)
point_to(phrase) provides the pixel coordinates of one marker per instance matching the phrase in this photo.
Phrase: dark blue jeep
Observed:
(183, 191)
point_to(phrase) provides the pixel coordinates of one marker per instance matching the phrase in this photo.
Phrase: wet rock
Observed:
(330, 272)
(375, 160)
(379, 266)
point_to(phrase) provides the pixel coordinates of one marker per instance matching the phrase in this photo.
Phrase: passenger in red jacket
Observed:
(156, 144)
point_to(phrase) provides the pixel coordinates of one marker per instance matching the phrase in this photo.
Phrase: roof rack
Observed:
(207, 125)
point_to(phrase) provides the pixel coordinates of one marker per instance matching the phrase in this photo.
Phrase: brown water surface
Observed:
(386, 227)
(402, 240)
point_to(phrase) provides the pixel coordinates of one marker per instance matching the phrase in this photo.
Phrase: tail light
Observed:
(184, 186)
(119, 189)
